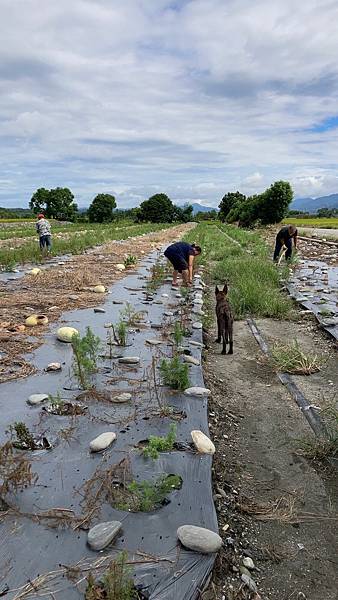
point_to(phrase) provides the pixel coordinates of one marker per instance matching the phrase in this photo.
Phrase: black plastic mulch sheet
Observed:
(30, 548)
(315, 286)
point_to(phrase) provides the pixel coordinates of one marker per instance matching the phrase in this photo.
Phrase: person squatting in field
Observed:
(44, 231)
(181, 255)
(284, 238)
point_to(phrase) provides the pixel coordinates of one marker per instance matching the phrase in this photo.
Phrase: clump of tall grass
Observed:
(290, 358)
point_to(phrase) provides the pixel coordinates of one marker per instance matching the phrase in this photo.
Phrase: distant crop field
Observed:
(331, 223)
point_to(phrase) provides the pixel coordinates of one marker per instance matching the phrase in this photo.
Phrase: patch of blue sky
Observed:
(325, 125)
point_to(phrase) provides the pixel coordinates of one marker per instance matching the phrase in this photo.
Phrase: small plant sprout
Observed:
(120, 333)
(56, 402)
(290, 358)
(24, 438)
(160, 444)
(175, 373)
(130, 261)
(131, 316)
(115, 584)
(85, 356)
(178, 333)
(145, 496)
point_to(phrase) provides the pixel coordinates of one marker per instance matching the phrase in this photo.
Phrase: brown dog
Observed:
(224, 319)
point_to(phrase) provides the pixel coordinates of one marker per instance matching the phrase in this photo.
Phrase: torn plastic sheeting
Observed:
(67, 467)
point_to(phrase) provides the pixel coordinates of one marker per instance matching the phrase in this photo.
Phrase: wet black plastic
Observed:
(31, 548)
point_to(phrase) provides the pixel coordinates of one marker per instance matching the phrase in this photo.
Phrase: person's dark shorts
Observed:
(45, 241)
(178, 262)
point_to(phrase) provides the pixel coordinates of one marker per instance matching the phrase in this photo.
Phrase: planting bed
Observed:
(44, 539)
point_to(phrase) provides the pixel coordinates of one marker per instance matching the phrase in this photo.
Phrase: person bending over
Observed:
(44, 232)
(284, 238)
(181, 255)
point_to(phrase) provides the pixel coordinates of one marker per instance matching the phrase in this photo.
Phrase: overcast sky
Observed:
(192, 98)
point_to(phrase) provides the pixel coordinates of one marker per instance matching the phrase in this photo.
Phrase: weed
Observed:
(178, 333)
(115, 584)
(290, 358)
(320, 448)
(55, 402)
(175, 373)
(158, 272)
(160, 444)
(130, 261)
(130, 316)
(145, 496)
(325, 312)
(24, 438)
(85, 355)
(120, 333)
(15, 471)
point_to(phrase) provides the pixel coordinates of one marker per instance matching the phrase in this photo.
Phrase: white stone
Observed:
(197, 391)
(102, 441)
(248, 562)
(197, 325)
(199, 539)
(120, 267)
(37, 399)
(198, 301)
(202, 442)
(65, 334)
(191, 360)
(165, 295)
(168, 313)
(197, 276)
(129, 360)
(102, 535)
(124, 397)
(198, 344)
(154, 342)
(99, 289)
(54, 366)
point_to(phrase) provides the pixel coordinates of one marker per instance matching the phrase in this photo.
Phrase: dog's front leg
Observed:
(219, 336)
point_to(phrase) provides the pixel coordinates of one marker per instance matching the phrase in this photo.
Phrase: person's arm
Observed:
(37, 227)
(191, 265)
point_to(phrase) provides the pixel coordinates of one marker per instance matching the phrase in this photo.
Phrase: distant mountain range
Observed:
(198, 207)
(311, 205)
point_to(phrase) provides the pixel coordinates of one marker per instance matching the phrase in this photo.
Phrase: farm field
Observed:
(17, 245)
(276, 502)
(322, 223)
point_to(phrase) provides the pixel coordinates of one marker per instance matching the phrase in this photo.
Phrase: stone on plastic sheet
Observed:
(191, 360)
(194, 343)
(197, 391)
(37, 399)
(124, 397)
(197, 276)
(102, 441)
(154, 342)
(120, 267)
(197, 325)
(202, 443)
(199, 539)
(102, 535)
(168, 313)
(198, 301)
(99, 310)
(54, 366)
(129, 360)
(165, 295)
(65, 334)
(118, 302)
(99, 289)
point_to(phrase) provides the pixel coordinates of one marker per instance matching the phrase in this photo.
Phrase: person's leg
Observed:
(175, 276)
(277, 249)
(48, 243)
(288, 253)
(185, 276)
(41, 242)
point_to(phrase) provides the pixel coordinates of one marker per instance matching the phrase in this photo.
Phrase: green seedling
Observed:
(130, 261)
(24, 438)
(175, 373)
(160, 444)
(115, 584)
(85, 356)
(145, 496)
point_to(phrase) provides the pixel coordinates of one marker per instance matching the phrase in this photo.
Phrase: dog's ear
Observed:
(216, 290)
(225, 289)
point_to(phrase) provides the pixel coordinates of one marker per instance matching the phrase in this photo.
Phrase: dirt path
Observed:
(260, 474)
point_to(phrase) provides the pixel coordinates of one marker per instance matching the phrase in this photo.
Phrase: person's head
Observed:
(292, 229)
(197, 249)
(41, 216)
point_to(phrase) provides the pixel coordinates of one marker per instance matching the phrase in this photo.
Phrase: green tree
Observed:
(101, 209)
(57, 203)
(157, 209)
(230, 201)
(209, 215)
(38, 201)
(274, 202)
(183, 214)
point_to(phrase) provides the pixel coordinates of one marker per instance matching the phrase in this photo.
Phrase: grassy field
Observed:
(331, 223)
(254, 288)
(71, 239)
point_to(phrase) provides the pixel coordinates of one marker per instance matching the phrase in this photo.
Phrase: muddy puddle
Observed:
(314, 285)
(46, 547)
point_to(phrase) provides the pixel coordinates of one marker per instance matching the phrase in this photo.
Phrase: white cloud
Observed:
(194, 98)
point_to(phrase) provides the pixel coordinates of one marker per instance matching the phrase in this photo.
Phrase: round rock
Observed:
(199, 539)
(248, 562)
(101, 442)
(99, 310)
(102, 535)
(197, 391)
(37, 399)
(202, 443)
(154, 342)
(191, 360)
(197, 325)
(54, 366)
(129, 360)
(125, 397)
